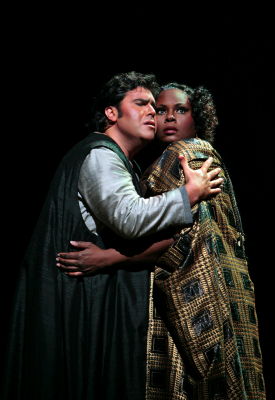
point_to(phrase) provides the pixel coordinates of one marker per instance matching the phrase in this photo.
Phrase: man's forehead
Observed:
(140, 92)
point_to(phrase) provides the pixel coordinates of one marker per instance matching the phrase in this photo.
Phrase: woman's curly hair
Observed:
(203, 109)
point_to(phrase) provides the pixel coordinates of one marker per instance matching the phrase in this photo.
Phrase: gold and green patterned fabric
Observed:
(203, 331)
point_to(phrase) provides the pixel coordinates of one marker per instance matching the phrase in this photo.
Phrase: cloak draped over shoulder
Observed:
(81, 338)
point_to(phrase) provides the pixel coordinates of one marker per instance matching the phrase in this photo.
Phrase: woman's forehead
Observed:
(172, 96)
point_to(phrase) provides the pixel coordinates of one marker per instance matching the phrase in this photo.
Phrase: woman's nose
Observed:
(170, 117)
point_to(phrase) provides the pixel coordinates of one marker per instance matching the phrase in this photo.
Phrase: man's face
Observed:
(174, 116)
(137, 115)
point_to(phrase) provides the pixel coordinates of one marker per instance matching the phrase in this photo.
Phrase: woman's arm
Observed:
(92, 259)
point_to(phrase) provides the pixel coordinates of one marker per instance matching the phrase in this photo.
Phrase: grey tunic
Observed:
(108, 197)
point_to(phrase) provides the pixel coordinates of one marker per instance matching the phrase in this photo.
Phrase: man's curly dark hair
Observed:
(113, 92)
(203, 109)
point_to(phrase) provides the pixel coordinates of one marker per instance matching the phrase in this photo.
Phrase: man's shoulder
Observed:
(92, 141)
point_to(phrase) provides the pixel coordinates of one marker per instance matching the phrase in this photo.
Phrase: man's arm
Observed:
(108, 191)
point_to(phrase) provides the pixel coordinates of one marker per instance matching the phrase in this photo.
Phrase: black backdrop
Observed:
(56, 62)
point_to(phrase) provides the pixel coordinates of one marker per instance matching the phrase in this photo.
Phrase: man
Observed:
(203, 343)
(85, 338)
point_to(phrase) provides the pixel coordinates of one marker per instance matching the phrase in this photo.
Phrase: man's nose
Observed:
(151, 110)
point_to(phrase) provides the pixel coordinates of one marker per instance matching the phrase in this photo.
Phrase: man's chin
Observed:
(149, 136)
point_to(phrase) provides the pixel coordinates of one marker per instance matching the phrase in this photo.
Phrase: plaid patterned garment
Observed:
(203, 333)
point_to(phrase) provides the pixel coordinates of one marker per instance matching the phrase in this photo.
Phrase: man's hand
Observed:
(200, 184)
(88, 261)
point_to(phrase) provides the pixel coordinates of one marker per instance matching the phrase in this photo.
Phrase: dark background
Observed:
(56, 61)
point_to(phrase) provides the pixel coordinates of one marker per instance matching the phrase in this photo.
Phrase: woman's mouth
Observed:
(170, 130)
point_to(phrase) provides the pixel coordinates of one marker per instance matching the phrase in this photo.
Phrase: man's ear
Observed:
(111, 113)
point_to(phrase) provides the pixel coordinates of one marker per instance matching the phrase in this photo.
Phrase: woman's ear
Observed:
(111, 113)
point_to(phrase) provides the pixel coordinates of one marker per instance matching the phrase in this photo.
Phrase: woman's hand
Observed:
(92, 259)
(88, 261)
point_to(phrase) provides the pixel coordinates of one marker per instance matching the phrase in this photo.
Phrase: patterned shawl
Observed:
(203, 329)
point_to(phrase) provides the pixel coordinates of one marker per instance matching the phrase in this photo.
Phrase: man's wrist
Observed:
(188, 216)
(192, 194)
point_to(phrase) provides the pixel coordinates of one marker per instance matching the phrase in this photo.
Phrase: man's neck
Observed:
(129, 147)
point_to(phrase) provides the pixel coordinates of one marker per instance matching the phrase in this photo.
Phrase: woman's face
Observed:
(174, 116)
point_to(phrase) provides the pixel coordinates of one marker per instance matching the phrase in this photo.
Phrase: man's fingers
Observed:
(212, 174)
(215, 190)
(206, 164)
(204, 168)
(183, 162)
(216, 182)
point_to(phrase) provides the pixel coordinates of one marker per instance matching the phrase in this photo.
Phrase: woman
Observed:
(203, 334)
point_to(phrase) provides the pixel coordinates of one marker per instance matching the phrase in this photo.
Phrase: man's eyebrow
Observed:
(142, 99)
(145, 101)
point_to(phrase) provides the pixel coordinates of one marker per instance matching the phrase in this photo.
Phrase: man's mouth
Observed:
(150, 123)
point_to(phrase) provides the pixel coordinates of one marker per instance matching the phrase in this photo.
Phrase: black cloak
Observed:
(75, 338)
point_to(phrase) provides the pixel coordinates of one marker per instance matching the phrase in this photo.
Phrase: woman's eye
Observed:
(182, 110)
(160, 111)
